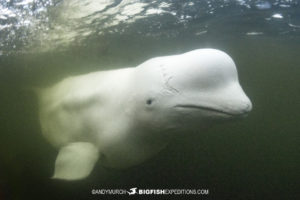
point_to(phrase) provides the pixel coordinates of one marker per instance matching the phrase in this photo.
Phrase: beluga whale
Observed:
(122, 117)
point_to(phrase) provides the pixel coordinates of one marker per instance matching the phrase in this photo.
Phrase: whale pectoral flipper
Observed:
(75, 161)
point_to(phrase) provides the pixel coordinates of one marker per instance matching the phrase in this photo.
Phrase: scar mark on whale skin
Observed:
(166, 79)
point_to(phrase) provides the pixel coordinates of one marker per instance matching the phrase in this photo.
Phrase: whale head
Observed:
(193, 88)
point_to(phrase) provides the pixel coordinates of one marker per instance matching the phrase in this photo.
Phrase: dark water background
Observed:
(254, 158)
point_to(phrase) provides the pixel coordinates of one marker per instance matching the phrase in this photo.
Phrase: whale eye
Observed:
(149, 101)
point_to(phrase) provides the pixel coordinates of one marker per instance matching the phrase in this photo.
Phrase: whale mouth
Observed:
(214, 110)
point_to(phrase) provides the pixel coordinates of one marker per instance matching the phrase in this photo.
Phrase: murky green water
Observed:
(254, 158)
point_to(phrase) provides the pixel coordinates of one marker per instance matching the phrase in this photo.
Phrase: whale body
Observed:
(123, 117)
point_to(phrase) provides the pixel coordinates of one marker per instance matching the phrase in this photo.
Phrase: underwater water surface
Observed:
(42, 42)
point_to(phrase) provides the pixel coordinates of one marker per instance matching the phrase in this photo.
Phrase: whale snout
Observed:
(242, 108)
(234, 100)
(248, 107)
(228, 102)
(223, 108)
